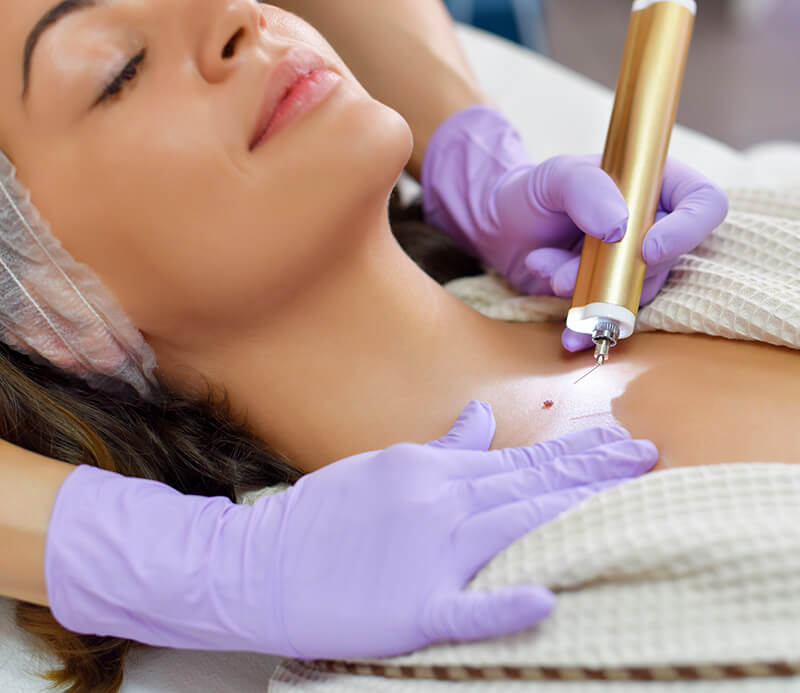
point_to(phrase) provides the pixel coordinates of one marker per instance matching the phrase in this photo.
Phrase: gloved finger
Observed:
(577, 247)
(579, 187)
(512, 459)
(565, 278)
(682, 181)
(620, 456)
(530, 285)
(584, 441)
(575, 341)
(652, 285)
(543, 262)
(473, 430)
(473, 615)
(618, 460)
(484, 534)
(518, 209)
(696, 207)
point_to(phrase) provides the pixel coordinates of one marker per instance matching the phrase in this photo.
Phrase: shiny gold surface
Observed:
(645, 104)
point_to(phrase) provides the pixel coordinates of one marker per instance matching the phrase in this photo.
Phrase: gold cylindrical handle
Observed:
(645, 103)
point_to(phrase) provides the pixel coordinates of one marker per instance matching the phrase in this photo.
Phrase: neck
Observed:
(353, 361)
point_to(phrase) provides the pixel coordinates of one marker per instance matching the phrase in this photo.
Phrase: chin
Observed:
(352, 144)
(333, 171)
(361, 144)
(381, 148)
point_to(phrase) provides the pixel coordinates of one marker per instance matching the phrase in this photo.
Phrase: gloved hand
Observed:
(527, 221)
(365, 557)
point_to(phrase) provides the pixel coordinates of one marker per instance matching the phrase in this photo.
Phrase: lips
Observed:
(297, 64)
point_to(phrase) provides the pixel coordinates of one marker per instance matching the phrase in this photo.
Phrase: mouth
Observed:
(296, 83)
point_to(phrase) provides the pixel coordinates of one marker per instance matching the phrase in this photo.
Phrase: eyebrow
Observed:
(50, 17)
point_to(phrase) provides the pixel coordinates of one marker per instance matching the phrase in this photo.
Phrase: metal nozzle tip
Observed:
(601, 351)
(604, 337)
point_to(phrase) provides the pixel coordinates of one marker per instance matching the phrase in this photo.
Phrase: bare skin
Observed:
(274, 273)
(700, 399)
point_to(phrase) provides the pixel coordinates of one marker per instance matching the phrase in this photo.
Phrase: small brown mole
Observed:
(547, 404)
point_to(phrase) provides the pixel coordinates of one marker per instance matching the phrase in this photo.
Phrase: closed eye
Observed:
(127, 75)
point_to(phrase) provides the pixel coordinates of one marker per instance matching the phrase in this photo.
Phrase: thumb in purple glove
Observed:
(528, 220)
(690, 208)
(482, 188)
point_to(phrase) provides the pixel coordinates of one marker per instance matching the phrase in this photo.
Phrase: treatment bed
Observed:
(558, 112)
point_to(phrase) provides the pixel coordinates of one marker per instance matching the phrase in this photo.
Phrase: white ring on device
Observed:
(690, 5)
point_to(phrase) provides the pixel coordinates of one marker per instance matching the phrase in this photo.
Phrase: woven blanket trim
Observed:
(539, 673)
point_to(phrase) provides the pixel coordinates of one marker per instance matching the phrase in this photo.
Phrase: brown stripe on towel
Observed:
(541, 673)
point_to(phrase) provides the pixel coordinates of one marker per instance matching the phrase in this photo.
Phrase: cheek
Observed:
(354, 151)
(131, 222)
(308, 201)
(191, 237)
(188, 249)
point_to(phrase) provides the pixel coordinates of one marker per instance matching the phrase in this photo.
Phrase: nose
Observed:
(230, 27)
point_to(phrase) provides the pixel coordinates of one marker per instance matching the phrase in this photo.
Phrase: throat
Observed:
(355, 398)
(367, 358)
(350, 391)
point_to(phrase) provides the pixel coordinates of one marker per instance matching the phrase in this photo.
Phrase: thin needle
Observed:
(591, 371)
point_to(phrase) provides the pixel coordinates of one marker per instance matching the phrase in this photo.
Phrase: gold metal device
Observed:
(610, 277)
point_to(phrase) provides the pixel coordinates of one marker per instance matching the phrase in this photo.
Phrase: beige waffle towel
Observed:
(688, 578)
(742, 282)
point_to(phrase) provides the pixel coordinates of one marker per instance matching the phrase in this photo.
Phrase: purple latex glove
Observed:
(527, 221)
(365, 557)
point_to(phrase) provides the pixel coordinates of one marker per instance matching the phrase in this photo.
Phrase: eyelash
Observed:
(128, 74)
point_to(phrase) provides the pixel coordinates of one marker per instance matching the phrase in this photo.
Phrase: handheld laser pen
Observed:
(610, 277)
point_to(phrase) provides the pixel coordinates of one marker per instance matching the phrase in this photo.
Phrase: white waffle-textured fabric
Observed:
(687, 566)
(741, 282)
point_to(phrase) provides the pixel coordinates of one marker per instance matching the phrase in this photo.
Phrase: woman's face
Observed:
(155, 187)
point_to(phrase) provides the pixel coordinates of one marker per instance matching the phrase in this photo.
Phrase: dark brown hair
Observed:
(196, 446)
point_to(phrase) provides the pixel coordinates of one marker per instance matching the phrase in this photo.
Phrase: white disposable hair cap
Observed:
(55, 308)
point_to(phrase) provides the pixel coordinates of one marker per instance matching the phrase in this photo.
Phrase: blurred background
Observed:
(741, 84)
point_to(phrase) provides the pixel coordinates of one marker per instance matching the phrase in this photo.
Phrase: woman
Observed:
(242, 308)
(329, 253)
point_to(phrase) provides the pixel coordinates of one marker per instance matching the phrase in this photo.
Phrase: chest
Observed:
(700, 399)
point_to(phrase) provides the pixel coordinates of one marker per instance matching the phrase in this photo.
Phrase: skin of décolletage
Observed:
(274, 272)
